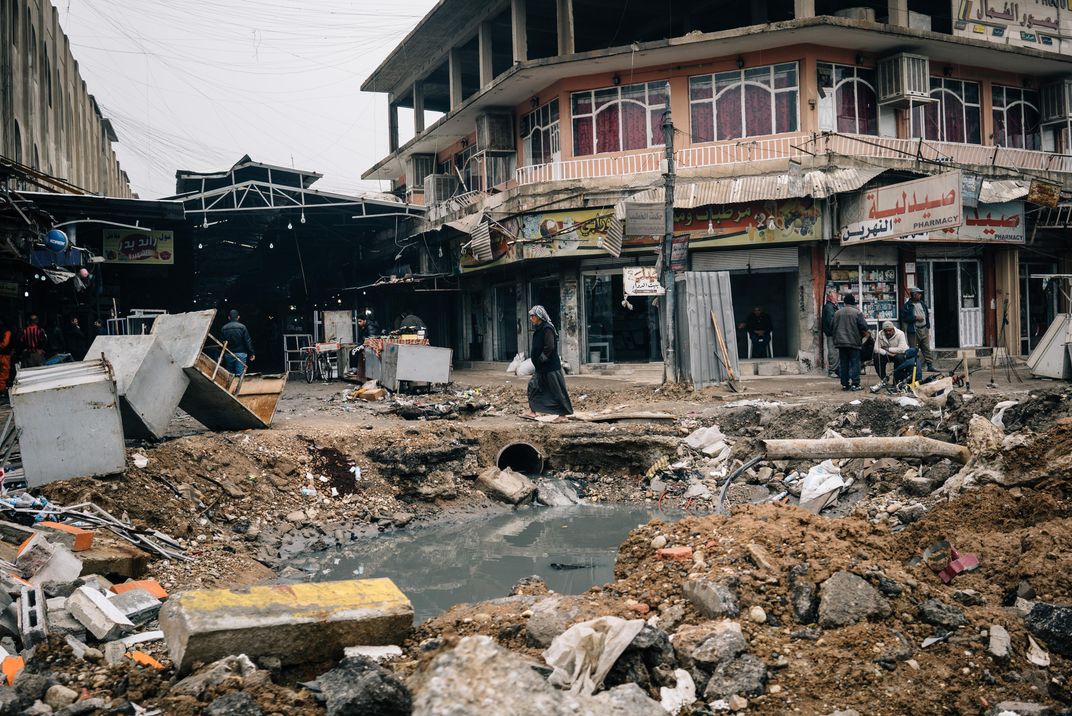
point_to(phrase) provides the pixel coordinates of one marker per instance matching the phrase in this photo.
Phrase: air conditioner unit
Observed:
(439, 187)
(495, 131)
(904, 79)
(418, 166)
(1057, 101)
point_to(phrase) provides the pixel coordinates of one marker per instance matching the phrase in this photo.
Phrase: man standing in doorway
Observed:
(916, 317)
(850, 330)
(34, 343)
(830, 307)
(239, 342)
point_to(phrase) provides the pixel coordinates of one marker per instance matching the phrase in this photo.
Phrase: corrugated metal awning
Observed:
(1002, 190)
(466, 224)
(818, 184)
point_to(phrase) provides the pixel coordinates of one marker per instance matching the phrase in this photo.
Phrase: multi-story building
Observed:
(48, 119)
(787, 117)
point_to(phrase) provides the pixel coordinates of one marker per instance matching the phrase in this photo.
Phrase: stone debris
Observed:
(505, 485)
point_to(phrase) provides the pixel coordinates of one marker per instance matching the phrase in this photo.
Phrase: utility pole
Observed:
(670, 373)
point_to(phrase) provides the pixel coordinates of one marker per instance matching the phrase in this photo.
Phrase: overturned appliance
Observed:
(215, 397)
(69, 421)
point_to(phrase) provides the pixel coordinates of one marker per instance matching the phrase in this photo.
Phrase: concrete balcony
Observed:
(796, 146)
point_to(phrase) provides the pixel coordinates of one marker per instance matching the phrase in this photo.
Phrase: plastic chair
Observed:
(770, 344)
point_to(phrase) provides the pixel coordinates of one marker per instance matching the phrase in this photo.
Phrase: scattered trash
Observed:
(822, 486)
(582, 655)
(1036, 654)
(140, 461)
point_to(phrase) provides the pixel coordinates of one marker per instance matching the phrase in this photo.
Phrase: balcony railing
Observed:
(795, 146)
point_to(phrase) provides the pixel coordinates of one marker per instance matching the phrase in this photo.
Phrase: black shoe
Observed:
(844, 387)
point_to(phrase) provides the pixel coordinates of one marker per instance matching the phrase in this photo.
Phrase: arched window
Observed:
(847, 99)
(618, 118)
(31, 44)
(955, 117)
(539, 133)
(46, 75)
(744, 103)
(17, 149)
(1016, 117)
(36, 164)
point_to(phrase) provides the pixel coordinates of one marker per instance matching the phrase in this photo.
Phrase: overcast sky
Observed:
(195, 85)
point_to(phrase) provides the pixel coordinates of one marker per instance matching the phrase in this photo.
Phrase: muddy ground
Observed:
(245, 503)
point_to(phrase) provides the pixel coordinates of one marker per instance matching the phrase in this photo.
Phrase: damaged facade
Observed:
(783, 113)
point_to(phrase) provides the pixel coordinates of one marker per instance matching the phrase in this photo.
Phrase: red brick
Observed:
(150, 585)
(677, 554)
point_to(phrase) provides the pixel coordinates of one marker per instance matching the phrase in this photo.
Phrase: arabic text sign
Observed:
(1041, 24)
(641, 281)
(145, 248)
(644, 219)
(987, 223)
(913, 207)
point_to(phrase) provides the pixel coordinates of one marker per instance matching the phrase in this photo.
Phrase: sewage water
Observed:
(571, 548)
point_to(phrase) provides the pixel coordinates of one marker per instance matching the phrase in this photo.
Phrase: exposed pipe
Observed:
(910, 446)
(521, 457)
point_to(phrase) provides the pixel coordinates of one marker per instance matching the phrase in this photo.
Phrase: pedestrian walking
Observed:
(239, 344)
(547, 386)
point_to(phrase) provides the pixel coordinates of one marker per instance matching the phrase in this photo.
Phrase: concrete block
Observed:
(768, 369)
(60, 621)
(33, 625)
(114, 653)
(73, 538)
(149, 585)
(299, 623)
(505, 485)
(101, 584)
(41, 561)
(99, 616)
(137, 604)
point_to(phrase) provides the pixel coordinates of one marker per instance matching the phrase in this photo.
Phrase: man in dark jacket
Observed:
(366, 327)
(759, 327)
(850, 330)
(916, 317)
(830, 307)
(239, 342)
(75, 338)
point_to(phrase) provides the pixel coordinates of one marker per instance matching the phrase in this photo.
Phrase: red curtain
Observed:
(757, 111)
(728, 107)
(608, 138)
(582, 136)
(953, 114)
(634, 126)
(866, 109)
(703, 122)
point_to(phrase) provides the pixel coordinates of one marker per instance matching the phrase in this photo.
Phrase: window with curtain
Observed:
(744, 103)
(539, 133)
(955, 117)
(618, 119)
(851, 103)
(1016, 117)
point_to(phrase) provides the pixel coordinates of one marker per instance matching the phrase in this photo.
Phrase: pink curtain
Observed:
(582, 136)
(866, 109)
(785, 112)
(953, 114)
(608, 138)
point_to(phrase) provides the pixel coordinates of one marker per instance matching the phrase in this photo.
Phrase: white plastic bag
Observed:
(518, 359)
(526, 367)
(821, 487)
(583, 655)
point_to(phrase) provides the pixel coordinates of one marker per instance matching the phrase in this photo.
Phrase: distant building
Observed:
(48, 119)
(786, 115)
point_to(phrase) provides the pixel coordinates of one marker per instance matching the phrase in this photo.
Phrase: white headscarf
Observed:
(541, 313)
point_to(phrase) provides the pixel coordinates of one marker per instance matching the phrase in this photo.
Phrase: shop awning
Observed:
(818, 184)
(1003, 190)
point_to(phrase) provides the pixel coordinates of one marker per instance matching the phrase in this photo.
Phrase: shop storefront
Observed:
(869, 272)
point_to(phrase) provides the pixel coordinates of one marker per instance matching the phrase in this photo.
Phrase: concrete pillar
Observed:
(418, 107)
(803, 8)
(487, 68)
(519, 30)
(454, 70)
(392, 123)
(898, 10)
(569, 332)
(565, 27)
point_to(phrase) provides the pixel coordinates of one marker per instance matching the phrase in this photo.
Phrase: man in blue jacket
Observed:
(916, 317)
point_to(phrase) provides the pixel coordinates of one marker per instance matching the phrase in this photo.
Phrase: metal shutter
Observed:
(768, 258)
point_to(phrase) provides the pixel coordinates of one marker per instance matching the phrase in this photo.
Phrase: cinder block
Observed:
(33, 625)
(73, 538)
(298, 623)
(150, 585)
(768, 369)
(137, 604)
(41, 561)
(99, 616)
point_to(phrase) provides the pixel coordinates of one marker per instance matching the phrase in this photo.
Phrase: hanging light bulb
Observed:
(271, 245)
(200, 246)
(303, 216)
(290, 225)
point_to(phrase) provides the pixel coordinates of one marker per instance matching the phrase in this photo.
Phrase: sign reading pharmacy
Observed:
(1041, 24)
(920, 206)
(144, 248)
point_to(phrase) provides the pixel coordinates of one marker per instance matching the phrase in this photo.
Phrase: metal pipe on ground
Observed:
(826, 448)
(521, 457)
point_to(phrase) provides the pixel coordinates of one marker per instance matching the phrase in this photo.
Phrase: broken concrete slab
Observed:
(40, 561)
(846, 598)
(137, 604)
(505, 485)
(296, 622)
(149, 382)
(69, 419)
(99, 616)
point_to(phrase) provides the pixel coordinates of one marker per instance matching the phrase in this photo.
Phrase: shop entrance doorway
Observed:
(773, 292)
(953, 289)
(1038, 306)
(616, 330)
(506, 324)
